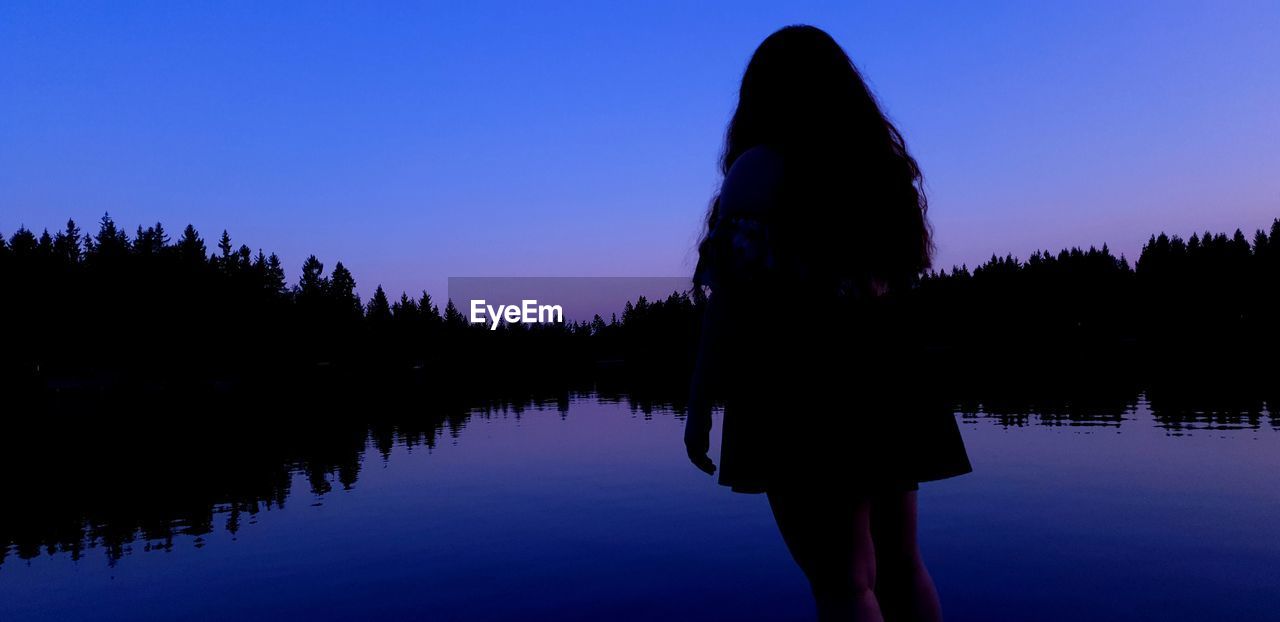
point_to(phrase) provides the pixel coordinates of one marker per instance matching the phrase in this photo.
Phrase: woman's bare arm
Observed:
(749, 189)
(706, 371)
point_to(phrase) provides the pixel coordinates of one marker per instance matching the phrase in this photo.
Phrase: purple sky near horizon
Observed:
(420, 141)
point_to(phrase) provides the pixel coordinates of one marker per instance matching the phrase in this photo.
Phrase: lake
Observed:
(587, 509)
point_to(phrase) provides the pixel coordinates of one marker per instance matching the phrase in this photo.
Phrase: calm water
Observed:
(589, 511)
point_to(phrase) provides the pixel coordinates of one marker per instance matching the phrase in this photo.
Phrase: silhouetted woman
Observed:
(816, 234)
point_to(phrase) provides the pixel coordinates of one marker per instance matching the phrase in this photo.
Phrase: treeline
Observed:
(109, 309)
(1208, 301)
(112, 309)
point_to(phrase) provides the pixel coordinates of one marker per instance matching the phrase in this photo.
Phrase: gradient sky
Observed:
(423, 140)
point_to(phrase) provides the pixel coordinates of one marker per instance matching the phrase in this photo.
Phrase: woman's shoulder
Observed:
(751, 186)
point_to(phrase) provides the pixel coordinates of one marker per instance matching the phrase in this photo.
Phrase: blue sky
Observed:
(424, 140)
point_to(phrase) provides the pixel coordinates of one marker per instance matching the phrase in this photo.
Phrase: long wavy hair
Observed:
(852, 200)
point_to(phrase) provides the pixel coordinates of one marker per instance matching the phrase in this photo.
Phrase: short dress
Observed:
(820, 381)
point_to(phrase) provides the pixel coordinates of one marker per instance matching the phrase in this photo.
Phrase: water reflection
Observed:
(1176, 409)
(93, 482)
(127, 478)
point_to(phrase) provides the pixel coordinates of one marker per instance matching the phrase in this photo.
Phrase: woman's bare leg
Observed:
(829, 536)
(903, 587)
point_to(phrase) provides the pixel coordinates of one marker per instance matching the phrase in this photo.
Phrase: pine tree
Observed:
(342, 291)
(428, 310)
(405, 310)
(225, 260)
(452, 317)
(257, 269)
(312, 285)
(44, 248)
(242, 259)
(191, 247)
(110, 240)
(379, 309)
(160, 236)
(23, 244)
(274, 279)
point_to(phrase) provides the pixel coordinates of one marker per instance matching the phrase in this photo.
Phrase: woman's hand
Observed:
(697, 440)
